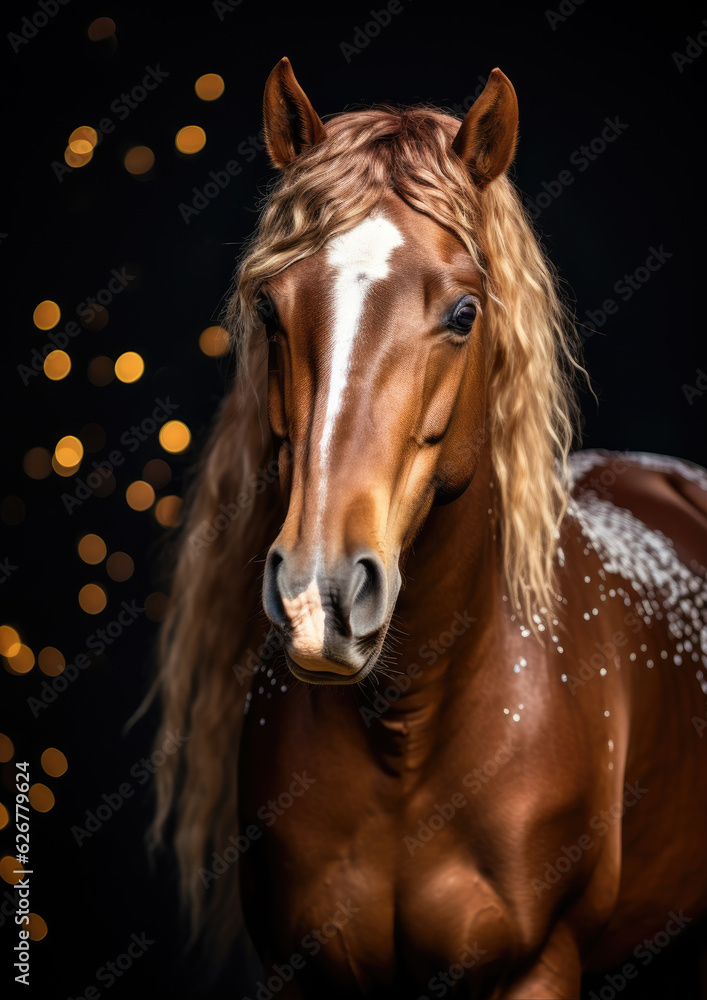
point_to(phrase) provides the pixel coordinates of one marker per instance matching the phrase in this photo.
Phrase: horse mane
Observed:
(213, 619)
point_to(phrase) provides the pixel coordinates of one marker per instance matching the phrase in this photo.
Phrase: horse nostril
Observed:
(272, 597)
(369, 595)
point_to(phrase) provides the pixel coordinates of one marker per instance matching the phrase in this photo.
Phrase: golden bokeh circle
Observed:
(9, 640)
(92, 598)
(57, 365)
(140, 495)
(209, 86)
(139, 160)
(51, 661)
(129, 367)
(7, 748)
(175, 436)
(190, 139)
(54, 762)
(46, 315)
(41, 797)
(213, 341)
(92, 549)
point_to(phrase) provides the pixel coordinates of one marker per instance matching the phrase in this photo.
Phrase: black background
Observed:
(62, 238)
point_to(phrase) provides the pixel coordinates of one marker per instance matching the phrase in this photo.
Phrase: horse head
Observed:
(377, 361)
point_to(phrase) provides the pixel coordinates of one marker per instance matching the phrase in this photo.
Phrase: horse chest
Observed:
(353, 888)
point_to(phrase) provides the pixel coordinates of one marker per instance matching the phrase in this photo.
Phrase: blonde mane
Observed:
(214, 619)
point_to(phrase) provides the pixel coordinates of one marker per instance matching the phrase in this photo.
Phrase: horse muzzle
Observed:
(331, 624)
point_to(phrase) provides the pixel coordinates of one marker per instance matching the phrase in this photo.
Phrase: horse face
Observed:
(377, 398)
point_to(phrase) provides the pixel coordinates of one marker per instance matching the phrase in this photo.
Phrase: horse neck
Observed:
(451, 597)
(454, 567)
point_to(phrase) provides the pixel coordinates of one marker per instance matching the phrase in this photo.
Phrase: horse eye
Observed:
(265, 310)
(463, 317)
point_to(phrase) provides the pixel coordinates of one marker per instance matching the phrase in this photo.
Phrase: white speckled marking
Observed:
(663, 585)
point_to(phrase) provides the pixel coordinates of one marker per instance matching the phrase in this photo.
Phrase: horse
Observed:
(443, 678)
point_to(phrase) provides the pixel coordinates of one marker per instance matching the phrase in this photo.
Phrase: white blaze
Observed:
(359, 258)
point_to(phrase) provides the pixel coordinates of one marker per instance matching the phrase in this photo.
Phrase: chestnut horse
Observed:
(461, 750)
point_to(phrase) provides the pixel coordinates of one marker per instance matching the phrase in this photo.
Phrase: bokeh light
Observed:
(69, 451)
(175, 436)
(92, 598)
(93, 437)
(51, 661)
(22, 661)
(65, 470)
(46, 315)
(6, 748)
(41, 797)
(4, 817)
(77, 160)
(168, 510)
(94, 318)
(57, 365)
(120, 567)
(157, 473)
(156, 606)
(37, 463)
(209, 87)
(213, 341)
(129, 367)
(37, 927)
(102, 27)
(140, 495)
(83, 139)
(9, 640)
(92, 549)
(101, 370)
(11, 870)
(139, 160)
(190, 139)
(54, 762)
(12, 510)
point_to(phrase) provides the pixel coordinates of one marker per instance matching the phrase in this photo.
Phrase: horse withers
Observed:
(443, 685)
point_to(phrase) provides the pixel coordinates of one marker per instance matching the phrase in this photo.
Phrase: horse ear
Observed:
(290, 123)
(486, 139)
